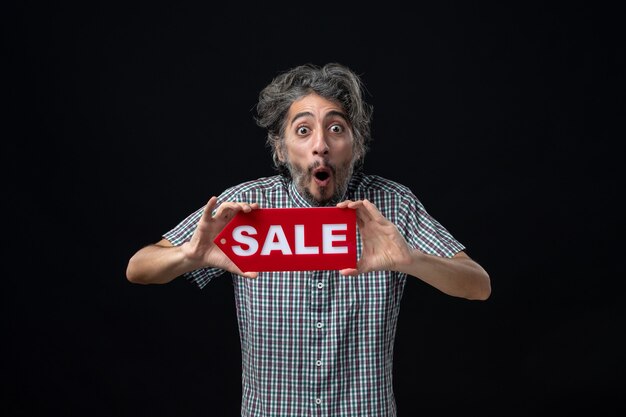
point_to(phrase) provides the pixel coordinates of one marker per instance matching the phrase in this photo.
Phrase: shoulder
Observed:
(395, 200)
(368, 184)
(262, 183)
(252, 190)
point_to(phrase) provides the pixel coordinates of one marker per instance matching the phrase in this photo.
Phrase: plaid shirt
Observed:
(315, 343)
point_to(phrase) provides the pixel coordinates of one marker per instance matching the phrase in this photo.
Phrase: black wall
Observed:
(506, 121)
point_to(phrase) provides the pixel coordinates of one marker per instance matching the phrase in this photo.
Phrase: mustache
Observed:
(318, 164)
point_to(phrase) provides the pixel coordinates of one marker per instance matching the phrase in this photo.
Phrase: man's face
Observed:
(318, 149)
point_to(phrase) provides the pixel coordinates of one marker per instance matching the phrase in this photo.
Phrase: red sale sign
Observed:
(291, 239)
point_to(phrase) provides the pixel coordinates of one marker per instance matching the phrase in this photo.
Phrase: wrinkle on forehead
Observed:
(329, 115)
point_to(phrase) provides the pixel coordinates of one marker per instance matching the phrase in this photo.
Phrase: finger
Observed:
(248, 207)
(208, 209)
(350, 204)
(362, 213)
(251, 275)
(372, 211)
(247, 274)
(349, 272)
(229, 209)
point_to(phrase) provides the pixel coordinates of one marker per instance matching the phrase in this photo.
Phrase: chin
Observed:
(317, 198)
(322, 195)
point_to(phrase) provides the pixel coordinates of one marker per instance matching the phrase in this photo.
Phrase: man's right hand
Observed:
(201, 249)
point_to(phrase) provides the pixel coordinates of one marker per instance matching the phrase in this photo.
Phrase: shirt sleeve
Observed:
(424, 232)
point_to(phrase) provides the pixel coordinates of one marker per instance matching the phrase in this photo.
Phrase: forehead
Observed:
(315, 105)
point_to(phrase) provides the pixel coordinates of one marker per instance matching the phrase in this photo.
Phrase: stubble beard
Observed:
(341, 178)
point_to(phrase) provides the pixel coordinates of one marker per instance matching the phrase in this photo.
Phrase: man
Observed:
(319, 342)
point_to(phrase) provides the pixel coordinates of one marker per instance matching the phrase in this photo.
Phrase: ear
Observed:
(280, 153)
(356, 154)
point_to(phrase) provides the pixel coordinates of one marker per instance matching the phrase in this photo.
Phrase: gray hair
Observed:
(332, 81)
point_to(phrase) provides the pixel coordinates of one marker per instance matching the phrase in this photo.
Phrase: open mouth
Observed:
(322, 175)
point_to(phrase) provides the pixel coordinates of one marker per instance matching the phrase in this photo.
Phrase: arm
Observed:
(162, 262)
(384, 248)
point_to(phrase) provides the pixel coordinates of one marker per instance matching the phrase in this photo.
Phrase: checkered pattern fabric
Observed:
(315, 343)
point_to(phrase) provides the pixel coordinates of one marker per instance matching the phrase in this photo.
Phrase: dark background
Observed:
(506, 120)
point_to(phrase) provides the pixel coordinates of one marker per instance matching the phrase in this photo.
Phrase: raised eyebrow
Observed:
(337, 113)
(301, 114)
(330, 114)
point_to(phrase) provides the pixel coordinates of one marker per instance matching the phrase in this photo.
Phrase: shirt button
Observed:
(320, 285)
(319, 325)
(318, 363)
(318, 401)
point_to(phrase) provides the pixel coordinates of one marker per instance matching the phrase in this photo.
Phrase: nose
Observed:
(320, 143)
